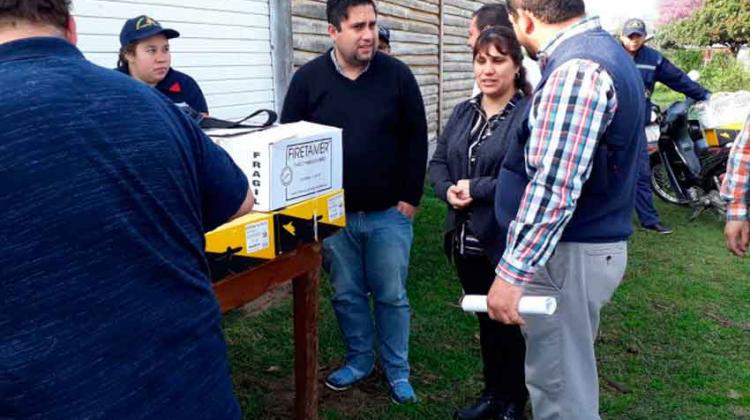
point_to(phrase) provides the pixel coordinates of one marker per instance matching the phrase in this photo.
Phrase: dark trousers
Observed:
(503, 346)
(644, 197)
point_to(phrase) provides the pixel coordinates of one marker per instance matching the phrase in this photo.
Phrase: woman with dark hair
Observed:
(145, 56)
(463, 171)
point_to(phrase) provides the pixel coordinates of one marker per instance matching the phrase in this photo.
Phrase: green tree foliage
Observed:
(725, 22)
(723, 74)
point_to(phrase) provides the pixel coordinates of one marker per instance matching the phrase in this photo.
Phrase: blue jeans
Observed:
(644, 197)
(371, 257)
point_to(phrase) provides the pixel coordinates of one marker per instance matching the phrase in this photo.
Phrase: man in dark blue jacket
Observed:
(654, 67)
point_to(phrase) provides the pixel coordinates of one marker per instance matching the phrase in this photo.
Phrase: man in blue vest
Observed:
(568, 194)
(654, 67)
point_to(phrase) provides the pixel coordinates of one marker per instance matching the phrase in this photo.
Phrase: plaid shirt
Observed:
(568, 116)
(736, 186)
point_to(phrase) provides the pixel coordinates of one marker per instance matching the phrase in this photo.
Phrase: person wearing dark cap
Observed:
(654, 67)
(145, 55)
(384, 39)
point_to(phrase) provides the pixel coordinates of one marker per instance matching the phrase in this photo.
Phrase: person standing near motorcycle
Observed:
(736, 191)
(654, 67)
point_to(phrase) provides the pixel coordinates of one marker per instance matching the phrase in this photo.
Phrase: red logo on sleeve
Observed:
(175, 88)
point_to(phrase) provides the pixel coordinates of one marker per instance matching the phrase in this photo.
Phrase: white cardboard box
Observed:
(287, 163)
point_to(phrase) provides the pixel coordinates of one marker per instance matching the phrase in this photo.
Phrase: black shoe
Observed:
(659, 228)
(513, 411)
(487, 408)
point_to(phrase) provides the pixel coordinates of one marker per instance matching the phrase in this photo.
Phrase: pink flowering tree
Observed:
(722, 22)
(671, 11)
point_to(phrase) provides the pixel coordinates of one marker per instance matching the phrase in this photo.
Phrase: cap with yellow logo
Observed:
(634, 27)
(142, 27)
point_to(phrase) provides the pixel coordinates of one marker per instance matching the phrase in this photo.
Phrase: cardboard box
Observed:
(285, 164)
(259, 237)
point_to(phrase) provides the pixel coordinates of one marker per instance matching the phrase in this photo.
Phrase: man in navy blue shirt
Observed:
(145, 55)
(106, 308)
(654, 67)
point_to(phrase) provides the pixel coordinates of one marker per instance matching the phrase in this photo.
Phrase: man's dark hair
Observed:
(338, 10)
(549, 11)
(492, 15)
(50, 12)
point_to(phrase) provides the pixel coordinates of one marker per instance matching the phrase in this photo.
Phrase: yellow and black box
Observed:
(720, 136)
(258, 237)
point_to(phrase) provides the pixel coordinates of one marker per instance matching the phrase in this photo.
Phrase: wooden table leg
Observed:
(306, 294)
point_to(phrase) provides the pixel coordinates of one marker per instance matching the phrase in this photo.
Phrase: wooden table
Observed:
(302, 268)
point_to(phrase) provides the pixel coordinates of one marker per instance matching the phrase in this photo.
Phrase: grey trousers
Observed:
(561, 373)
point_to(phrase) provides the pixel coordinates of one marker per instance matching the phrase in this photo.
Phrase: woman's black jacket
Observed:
(449, 164)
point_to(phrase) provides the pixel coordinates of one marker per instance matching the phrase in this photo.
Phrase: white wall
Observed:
(224, 45)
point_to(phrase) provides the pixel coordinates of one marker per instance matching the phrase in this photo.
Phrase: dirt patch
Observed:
(279, 401)
(370, 393)
(275, 297)
(726, 322)
(741, 412)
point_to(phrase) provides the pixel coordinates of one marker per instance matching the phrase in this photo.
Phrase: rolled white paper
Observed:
(528, 305)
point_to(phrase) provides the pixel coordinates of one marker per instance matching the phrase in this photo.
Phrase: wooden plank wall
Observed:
(415, 39)
(458, 71)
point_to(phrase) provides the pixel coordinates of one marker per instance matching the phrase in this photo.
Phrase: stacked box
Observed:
(721, 136)
(259, 237)
(285, 164)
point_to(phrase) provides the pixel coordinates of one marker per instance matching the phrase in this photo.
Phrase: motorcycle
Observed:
(686, 169)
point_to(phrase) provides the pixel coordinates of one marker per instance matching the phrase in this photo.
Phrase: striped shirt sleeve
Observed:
(736, 186)
(568, 117)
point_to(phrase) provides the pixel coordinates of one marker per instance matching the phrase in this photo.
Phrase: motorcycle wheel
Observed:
(663, 188)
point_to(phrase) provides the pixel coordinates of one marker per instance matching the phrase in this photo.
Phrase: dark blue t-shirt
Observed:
(180, 88)
(106, 190)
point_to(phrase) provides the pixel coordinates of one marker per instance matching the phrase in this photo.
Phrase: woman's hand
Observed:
(458, 198)
(464, 190)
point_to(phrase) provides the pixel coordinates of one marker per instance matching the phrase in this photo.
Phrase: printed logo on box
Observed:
(310, 168)
(287, 176)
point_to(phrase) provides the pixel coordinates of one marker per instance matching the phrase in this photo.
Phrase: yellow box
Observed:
(722, 135)
(309, 221)
(259, 237)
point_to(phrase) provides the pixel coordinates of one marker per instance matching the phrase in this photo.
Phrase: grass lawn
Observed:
(663, 96)
(674, 343)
